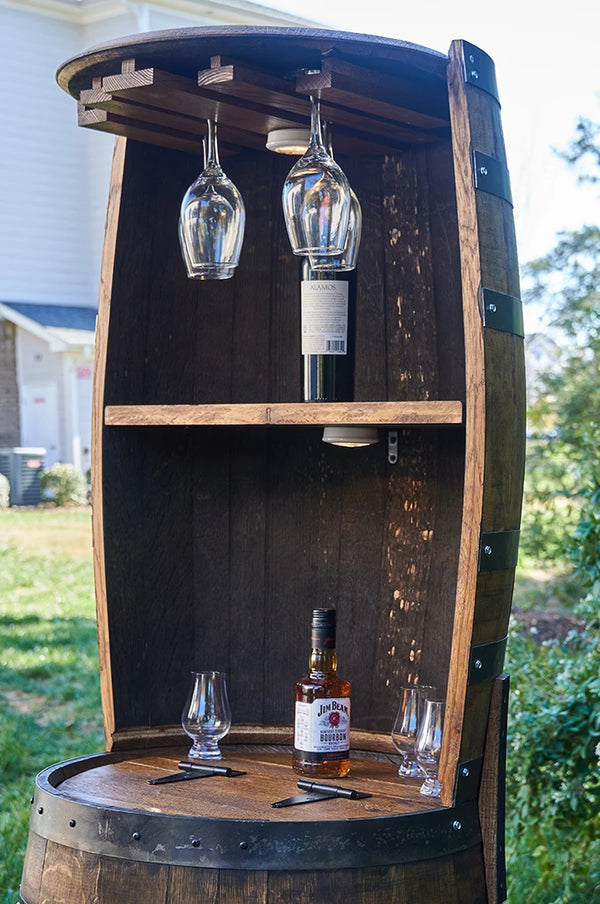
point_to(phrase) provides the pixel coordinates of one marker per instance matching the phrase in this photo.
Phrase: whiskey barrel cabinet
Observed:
(221, 518)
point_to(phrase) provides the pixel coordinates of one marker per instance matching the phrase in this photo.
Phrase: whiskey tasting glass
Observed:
(429, 745)
(406, 725)
(316, 198)
(206, 717)
(212, 219)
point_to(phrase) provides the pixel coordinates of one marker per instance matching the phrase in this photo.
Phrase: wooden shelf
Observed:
(435, 413)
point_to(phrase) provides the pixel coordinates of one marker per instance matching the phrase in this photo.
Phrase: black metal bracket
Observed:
(499, 550)
(480, 70)
(486, 661)
(502, 312)
(468, 777)
(491, 176)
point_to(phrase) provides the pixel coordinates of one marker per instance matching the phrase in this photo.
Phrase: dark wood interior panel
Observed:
(276, 523)
(238, 340)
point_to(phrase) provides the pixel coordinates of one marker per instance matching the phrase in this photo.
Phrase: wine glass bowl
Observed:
(212, 220)
(316, 198)
(346, 259)
(406, 725)
(429, 745)
(206, 716)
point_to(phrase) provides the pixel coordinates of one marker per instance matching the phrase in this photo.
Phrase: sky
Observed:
(547, 60)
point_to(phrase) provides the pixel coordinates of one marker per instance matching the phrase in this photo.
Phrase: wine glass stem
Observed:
(316, 134)
(212, 146)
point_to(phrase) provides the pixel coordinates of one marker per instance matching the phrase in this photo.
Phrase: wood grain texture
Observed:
(307, 413)
(474, 421)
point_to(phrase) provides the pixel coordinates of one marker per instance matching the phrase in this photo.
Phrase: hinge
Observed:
(499, 550)
(491, 176)
(480, 69)
(503, 312)
(486, 661)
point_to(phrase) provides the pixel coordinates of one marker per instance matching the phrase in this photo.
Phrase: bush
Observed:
(553, 775)
(62, 484)
(4, 491)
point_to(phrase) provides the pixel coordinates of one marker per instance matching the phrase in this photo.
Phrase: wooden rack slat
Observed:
(377, 117)
(440, 413)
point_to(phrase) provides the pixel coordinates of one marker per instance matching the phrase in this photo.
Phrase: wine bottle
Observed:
(328, 310)
(322, 706)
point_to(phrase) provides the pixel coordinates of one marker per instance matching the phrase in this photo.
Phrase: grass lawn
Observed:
(49, 687)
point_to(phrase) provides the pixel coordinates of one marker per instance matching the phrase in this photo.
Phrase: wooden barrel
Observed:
(101, 833)
(221, 518)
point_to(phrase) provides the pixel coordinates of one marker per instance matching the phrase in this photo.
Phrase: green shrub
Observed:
(62, 484)
(553, 774)
(4, 491)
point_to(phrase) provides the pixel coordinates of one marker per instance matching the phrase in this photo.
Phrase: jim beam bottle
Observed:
(322, 709)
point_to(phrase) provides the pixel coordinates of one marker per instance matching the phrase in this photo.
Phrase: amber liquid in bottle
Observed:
(322, 707)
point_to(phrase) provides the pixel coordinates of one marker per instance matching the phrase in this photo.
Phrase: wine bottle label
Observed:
(322, 727)
(324, 317)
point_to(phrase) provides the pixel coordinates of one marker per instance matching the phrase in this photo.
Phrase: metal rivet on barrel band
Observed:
(195, 842)
(243, 845)
(136, 836)
(457, 825)
(72, 823)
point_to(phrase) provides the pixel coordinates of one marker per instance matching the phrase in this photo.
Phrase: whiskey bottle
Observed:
(328, 313)
(322, 707)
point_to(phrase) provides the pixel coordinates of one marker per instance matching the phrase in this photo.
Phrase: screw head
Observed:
(465, 771)
(195, 842)
(72, 823)
(40, 810)
(474, 74)
(492, 308)
(487, 550)
(136, 836)
(243, 845)
(483, 170)
(457, 825)
(478, 664)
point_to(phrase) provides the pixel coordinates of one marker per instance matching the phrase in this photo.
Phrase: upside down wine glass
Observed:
(316, 198)
(347, 258)
(206, 715)
(406, 725)
(212, 219)
(429, 745)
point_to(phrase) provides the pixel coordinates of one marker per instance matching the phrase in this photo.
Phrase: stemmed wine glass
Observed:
(212, 219)
(316, 197)
(206, 715)
(429, 745)
(347, 258)
(406, 725)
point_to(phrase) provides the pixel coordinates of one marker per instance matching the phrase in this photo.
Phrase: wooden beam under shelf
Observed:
(434, 413)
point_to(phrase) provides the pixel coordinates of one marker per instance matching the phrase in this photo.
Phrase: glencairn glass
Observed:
(212, 219)
(406, 725)
(206, 717)
(316, 198)
(429, 745)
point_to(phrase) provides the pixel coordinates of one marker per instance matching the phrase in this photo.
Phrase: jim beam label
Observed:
(322, 728)
(324, 308)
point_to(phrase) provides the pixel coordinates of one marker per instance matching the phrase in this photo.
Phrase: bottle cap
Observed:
(323, 629)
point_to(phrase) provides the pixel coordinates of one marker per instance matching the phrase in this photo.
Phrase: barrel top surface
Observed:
(283, 50)
(121, 781)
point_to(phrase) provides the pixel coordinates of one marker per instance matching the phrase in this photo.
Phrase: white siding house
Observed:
(53, 190)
